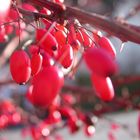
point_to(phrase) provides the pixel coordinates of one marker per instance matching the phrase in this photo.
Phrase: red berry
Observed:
(13, 15)
(9, 29)
(68, 99)
(72, 33)
(47, 60)
(61, 27)
(46, 41)
(7, 106)
(36, 63)
(105, 43)
(67, 112)
(33, 49)
(96, 35)
(99, 61)
(45, 11)
(66, 55)
(75, 45)
(29, 7)
(60, 36)
(74, 124)
(103, 87)
(3, 121)
(15, 118)
(46, 85)
(84, 38)
(20, 66)
(29, 95)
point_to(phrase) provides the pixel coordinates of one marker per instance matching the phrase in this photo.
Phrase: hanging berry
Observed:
(36, 63)
(99, 61)
(103, 87)
(46, 85)
(46, 41)
(66, 55)
(105, 43)
(20, 66)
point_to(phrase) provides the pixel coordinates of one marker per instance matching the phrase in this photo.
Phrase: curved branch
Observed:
(122, 30)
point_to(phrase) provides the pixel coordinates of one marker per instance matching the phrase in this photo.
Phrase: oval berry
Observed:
(65, 56)
(103, 87)
(36, 63)
(47, 60)
(96, 35)
(60, 36)
(46, 41)
(20, 66)
(99, 61)
(105, 43)
(46, 85)
(84, 37)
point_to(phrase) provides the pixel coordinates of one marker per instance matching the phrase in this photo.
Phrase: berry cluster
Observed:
(56, 46)
(62, 114)
(9, 114)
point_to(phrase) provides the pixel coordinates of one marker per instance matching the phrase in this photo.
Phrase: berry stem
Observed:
(122, 30)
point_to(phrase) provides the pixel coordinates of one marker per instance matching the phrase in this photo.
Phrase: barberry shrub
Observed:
(50, 56)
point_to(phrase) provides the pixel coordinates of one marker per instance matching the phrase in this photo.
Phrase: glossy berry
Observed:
(47, 60)
(45, 11)
(105, 43)
(65, 56)
(20, 66)
(96, 35)
(103, 87)
(84, 37)
(99, 61)
(46, 85)
(36, 63)
(72, 33)
(60, 36)
(46, 41)
(76, 45)
(61, 27)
